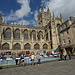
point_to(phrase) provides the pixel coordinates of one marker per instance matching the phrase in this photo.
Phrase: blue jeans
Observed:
(69, 57)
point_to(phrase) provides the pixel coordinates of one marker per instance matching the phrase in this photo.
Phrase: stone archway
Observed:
(17, 46)
(5, 46)
(27, 46)
(45, 46)
(37, 46)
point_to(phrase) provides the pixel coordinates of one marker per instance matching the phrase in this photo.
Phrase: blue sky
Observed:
(26, 11)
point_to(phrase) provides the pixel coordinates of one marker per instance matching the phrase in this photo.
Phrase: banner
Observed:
(56, 51)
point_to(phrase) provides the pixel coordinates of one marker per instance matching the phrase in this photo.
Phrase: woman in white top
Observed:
(32, 59)
(65, 54)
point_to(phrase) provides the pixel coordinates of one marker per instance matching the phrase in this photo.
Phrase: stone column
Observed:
(2, 36)
(20, 35)
(28, 34)
(36, 35)
(32, 46)
(43, 35)
(3, 29)
(41, 46)
(32, 38)
(49, 35)
(41, 39)
(21, 39)
(12, 37)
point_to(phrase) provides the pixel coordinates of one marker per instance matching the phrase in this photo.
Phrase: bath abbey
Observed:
(45, 36)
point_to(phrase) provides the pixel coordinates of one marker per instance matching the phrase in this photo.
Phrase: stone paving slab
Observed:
(50, 68)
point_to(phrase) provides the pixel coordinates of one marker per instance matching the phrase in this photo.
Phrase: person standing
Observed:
(65, 54)
(60, 55)
(32, 58)
(69, 54)
(22, 60)
(16, 59)
(38, 57)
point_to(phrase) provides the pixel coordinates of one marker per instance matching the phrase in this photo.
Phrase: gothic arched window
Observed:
(17, 34)
(17, 46)
(45, 46)
(27, 46)
(7, 34)
(5, 46)
(34, 35)
(26, 35)
(46, 36)
(40, 35)
(36, 46)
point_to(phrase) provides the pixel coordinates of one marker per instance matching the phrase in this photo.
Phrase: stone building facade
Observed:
(51, 24)
(67, 35)
(16, 38)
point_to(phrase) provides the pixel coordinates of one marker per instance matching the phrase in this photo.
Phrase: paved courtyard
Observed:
(49, 68)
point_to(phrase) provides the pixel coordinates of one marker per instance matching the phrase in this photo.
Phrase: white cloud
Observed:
(35, 21)
(0, 12)
(11, 16)
(24, 10)
(66, 7)
(23, 22)
(36, 15)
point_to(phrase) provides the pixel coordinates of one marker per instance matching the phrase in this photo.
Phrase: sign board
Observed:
(41, 52)
(9, 59)
(17, 58)
(56, 51)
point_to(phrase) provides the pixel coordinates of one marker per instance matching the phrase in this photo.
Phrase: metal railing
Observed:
(11, 62)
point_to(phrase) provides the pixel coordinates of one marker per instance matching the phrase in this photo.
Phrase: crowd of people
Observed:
(19, 58)
(63, 55)
(32, 56)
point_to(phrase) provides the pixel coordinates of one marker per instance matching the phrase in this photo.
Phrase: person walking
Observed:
(22, 60)
(32, 59)
(60, 55)
(64, 54)
(16, 59)
(69, 54)
(38, 57)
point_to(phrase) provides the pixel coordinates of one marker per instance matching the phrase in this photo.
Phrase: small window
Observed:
(67, 32)
(65, 25)
(63, 41)
(68, 40)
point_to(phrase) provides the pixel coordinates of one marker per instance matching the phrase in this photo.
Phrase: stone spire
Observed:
(61, 18)
(60, 15)
(48, 10)
(53, 16)
(48, 13)
(42, 9)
